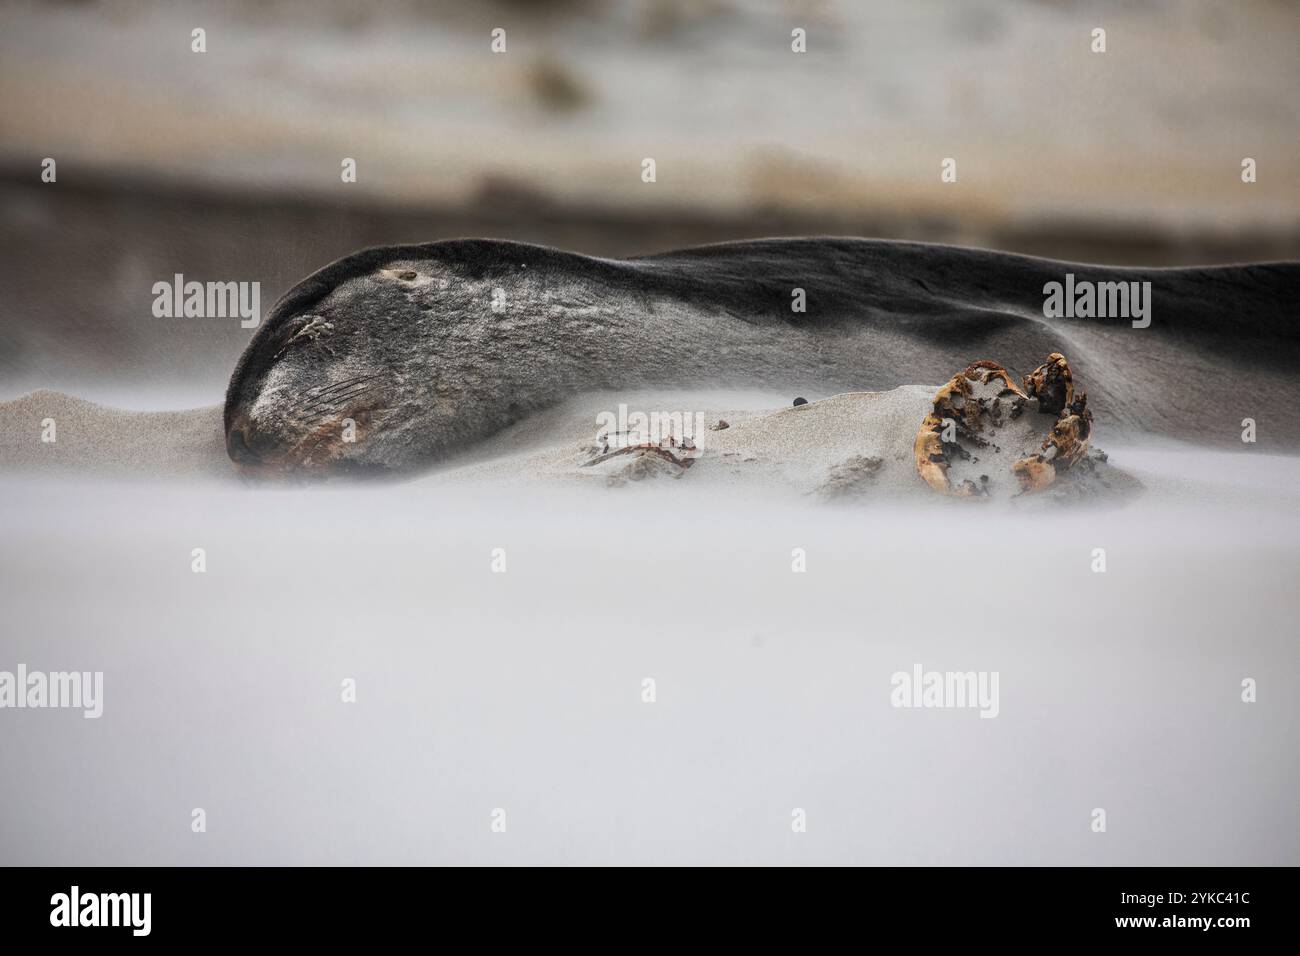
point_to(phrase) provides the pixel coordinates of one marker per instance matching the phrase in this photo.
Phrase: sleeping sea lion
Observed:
(393, 359)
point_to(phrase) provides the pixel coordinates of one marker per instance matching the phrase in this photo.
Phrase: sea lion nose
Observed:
(237, 444)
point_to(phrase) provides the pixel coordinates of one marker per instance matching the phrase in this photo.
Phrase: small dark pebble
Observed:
(984, 477)
(800, 401)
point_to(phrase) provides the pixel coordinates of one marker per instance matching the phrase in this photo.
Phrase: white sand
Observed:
(93, 440)
(850, 447)
(769, 446)
(855, 447)
(522, 690)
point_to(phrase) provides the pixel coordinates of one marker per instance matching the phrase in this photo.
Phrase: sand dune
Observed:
(854, 446)
(851, 446)
(521, 689)
(90, 439)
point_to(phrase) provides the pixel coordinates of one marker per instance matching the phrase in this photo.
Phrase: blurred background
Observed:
(225, 165)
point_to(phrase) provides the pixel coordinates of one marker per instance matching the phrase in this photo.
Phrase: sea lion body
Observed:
(392, 359)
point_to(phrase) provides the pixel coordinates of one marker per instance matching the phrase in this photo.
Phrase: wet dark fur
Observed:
(425, 367)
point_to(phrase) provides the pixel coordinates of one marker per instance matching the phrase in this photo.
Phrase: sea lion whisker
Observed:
(340, 390)
(335, 386)
(342, 397)
(338, 398)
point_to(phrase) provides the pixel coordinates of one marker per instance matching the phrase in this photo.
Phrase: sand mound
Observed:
(92, 439)
(849, 447)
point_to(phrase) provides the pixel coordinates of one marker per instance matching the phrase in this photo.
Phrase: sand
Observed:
(843, 448)
(522, 690)
(92, 440)
(851, 449)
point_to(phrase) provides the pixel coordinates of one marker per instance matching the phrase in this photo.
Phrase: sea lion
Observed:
(392, 359)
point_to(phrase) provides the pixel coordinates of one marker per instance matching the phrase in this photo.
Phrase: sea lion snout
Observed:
(247, 447)
(237, 446)
(302, 438)
(300, 405)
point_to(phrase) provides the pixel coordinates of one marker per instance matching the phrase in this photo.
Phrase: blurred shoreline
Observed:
(82, 254)
(504, 208)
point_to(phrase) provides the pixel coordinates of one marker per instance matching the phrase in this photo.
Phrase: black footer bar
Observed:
(209, 905)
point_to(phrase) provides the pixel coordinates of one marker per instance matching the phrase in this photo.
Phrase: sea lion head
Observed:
(361, 370)
(296, 406)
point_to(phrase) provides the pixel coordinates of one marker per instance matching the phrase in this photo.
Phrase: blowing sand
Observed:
(854, 446)
(92, 440)
(522, 690)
